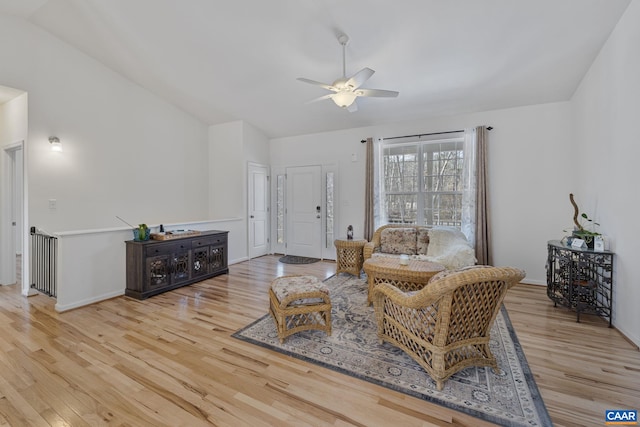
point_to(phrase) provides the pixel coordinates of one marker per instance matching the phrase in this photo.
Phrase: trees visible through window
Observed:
(423, 182)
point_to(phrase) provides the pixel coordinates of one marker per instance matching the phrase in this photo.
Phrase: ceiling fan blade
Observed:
(377, 93)
(321, 98)
(313, 82)
(353, 107)
(360, 77)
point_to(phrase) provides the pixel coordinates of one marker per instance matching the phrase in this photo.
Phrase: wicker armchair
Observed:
(445, 326)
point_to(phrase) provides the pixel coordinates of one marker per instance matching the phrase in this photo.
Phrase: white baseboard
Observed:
(60, 308)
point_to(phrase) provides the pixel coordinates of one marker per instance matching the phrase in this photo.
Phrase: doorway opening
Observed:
(12, 214)
(14, 236)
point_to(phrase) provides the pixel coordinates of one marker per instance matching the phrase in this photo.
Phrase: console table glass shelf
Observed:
(581, 279)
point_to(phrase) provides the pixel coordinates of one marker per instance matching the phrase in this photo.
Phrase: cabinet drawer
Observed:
(207, 241)
(173, 248)
(181, 247)
(158, 250)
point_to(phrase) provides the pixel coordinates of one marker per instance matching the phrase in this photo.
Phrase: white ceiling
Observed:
(239, 60)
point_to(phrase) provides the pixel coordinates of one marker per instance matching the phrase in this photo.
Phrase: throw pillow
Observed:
(398, 241)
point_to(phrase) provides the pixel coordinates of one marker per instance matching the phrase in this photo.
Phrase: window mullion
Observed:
(420, 196)
(428, 194)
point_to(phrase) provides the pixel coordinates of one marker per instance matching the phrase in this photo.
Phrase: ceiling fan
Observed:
(347, 89)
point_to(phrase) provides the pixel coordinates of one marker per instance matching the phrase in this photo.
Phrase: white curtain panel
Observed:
(469, 194)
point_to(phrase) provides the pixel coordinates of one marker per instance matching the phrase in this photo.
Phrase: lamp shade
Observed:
(56, 145)
(344, 98)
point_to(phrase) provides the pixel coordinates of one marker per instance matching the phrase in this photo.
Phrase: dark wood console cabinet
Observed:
(156, 266)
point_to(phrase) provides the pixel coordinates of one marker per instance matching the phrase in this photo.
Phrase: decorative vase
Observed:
(141, 234)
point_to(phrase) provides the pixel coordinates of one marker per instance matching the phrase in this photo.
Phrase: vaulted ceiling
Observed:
(239, 60)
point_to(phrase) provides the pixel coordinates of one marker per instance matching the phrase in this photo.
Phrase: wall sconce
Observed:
(56, 145)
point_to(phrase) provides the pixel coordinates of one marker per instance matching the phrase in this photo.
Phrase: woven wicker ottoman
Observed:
(299, 303)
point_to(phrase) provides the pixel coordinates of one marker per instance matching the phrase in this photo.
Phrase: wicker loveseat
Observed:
(443, 245)
(445, 326)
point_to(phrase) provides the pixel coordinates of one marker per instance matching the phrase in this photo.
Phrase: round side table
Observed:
(349, 257)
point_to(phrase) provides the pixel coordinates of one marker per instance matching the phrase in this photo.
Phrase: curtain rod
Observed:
(424, 134)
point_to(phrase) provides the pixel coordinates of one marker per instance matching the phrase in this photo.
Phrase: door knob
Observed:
(251, 216)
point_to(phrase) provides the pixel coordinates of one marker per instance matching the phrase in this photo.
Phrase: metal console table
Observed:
(581, 279)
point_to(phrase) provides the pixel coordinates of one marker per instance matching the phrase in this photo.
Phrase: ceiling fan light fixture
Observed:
(344, 99)
(347, 89)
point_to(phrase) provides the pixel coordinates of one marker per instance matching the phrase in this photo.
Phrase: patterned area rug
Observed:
(509, 399)
(294, 259)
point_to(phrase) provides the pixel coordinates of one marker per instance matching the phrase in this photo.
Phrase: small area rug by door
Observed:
(510, 398)
(294, 259)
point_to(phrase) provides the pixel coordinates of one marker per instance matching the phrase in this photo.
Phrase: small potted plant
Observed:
(579, 230)
(142, 233)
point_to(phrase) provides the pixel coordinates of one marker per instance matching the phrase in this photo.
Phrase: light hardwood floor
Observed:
(170, 360)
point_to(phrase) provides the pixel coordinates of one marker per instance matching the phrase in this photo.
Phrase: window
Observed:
(422, 182)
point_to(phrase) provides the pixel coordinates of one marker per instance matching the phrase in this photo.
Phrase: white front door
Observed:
(304, 211)
(258, 228)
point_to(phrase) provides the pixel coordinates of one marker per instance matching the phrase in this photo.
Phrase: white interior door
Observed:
(304, 211)
(8, 221)
(258, 210)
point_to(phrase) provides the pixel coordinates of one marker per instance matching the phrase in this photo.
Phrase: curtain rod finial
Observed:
(362, 141)
(489, 127)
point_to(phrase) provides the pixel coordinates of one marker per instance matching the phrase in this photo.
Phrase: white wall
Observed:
(528, 180)
(606, 149)
(256, 146)
(13, 120)
(126, 151)
(225, 170)
(231, 147)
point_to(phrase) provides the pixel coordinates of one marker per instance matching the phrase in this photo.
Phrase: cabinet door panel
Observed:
(158, 270)
(181, 267)
(218, 258)
(200, 262)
